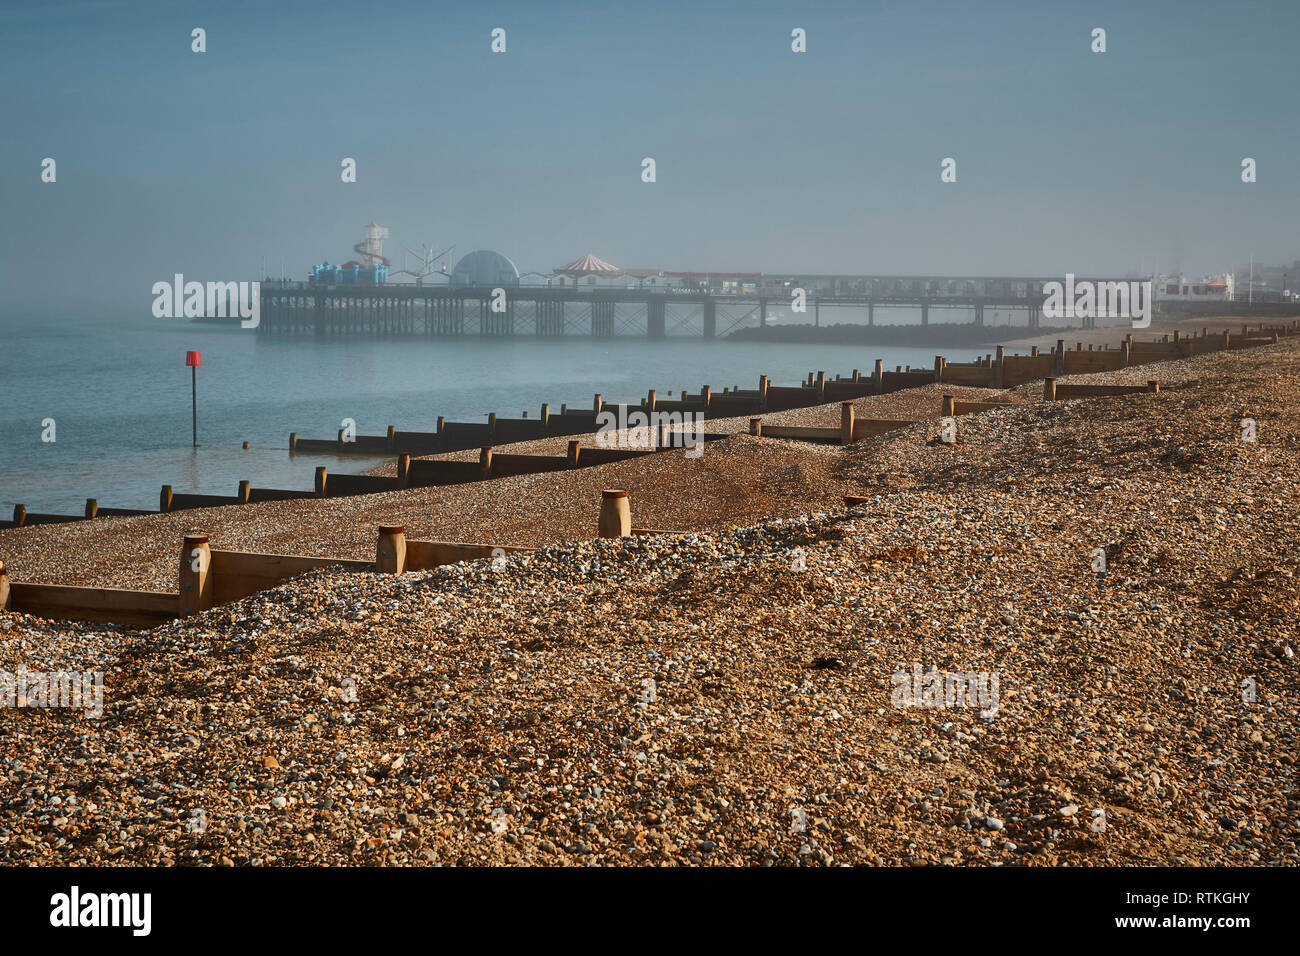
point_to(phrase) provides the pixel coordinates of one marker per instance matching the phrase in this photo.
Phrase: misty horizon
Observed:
(823, 162)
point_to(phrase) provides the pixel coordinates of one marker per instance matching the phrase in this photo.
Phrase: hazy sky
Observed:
(767, 160)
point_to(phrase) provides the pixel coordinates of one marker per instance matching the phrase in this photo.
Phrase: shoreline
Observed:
(502, 715)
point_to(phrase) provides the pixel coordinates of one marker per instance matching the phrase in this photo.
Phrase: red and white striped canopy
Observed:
(588, 263)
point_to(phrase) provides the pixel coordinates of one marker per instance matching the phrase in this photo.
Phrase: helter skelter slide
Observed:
(371, 248)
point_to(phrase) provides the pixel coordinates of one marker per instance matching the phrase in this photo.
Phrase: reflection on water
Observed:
(120, 394)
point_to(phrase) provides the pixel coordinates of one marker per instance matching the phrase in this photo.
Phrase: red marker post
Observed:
(193, 360)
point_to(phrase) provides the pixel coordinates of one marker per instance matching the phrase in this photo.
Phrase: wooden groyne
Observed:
(208, 577)
(995, 370)
(411, 473)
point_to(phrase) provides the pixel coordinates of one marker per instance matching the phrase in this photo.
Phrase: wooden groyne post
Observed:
(195, 579)
(390, 550)
(615, 515)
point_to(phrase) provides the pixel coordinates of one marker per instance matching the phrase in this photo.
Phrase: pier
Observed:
(300, 308)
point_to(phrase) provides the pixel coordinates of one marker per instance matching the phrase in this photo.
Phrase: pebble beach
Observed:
(727, 694)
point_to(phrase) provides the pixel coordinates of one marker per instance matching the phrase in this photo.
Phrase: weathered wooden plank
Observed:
(115, 605)
(275, 494)
(1082, 363)
(342, 486)
(868, 427)
(426, 472)
(237, 574)
(424, 555)
(588, 455)
(506, 465)
(897, 381)
(974, 375)
(801, 432)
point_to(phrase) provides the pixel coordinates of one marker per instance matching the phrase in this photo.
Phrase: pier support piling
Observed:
(655, 317)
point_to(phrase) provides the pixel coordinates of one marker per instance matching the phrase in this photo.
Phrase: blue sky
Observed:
(827, 161)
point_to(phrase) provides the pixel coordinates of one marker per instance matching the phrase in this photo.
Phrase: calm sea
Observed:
(119, 394)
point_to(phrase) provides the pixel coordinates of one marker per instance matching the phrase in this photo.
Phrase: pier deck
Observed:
(346, 310)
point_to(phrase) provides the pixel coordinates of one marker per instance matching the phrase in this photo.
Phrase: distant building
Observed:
(1178, 288)
(371, 269)
(885, 286)
(350, 273)
(1268, 282)
(485, 267)
(591, 271)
